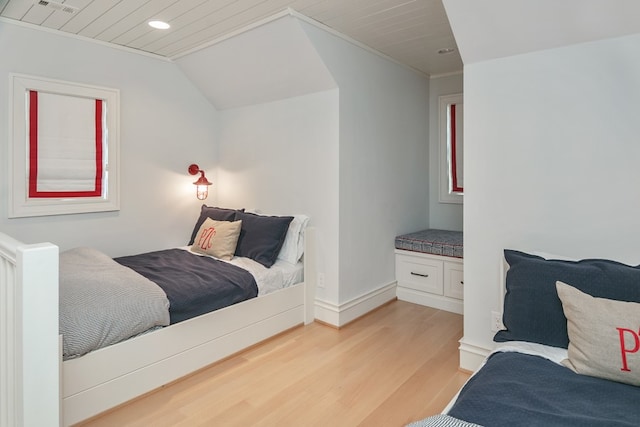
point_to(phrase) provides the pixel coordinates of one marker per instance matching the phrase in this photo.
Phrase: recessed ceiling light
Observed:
(445, 50)
(160, 25)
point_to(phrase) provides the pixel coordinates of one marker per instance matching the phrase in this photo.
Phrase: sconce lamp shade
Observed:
(202, 183)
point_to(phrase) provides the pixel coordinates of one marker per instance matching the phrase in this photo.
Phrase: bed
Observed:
(106, 377)
(569, 354)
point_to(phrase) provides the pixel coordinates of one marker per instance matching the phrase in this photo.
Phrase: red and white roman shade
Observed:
(66, 146)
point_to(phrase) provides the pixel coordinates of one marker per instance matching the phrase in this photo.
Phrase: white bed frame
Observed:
(29, 346)
(105, 378)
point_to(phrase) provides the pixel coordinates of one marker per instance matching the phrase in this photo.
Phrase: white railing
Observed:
(29, 344)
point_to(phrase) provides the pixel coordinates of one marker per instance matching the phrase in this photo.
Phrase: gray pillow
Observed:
(261, 237)
(532, 310)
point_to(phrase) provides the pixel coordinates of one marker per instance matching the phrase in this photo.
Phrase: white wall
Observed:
(165, 124)
(355, 159)
(282, 158)
(443, 216)
(383, 159)
(551, 150)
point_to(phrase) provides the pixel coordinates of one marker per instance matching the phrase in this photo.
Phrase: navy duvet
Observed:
(515, 389)
(194, 284)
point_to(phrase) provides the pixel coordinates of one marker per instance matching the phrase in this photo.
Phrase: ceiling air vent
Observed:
(58, 6)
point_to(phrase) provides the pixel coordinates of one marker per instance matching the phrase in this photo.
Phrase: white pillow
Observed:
(293, 246)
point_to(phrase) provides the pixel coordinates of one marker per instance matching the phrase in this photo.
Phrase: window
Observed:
(451, 148)
(64, 148)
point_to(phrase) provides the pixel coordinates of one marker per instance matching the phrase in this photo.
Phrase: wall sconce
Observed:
(202, 184)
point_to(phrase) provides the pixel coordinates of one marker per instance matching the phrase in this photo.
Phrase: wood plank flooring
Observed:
(395, 365)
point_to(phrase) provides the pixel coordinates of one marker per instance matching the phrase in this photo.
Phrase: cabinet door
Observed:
(453, 280)
(420, 274)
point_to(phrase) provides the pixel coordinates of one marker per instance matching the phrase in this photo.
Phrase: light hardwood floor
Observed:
(395, 365)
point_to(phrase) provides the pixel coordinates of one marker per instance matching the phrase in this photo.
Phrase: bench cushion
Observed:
(432, 241)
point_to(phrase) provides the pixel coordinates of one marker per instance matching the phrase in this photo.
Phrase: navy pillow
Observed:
(532, 310)
(261, 237)
(219, 214)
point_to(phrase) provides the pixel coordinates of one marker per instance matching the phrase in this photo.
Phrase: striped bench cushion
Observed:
(436, 242)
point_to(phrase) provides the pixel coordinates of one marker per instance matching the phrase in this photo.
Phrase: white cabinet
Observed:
(453, 280)
(420, 274)
(431, 280)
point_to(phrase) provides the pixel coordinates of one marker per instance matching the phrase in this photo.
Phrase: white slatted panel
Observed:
(391, 20)
(410, 31)
(181, 16)
(88, 14)
(207, 19)
(58, 18)
(115, 14)
(137, 22)
(234, 20)
(333, 10)
(37, 14)
(389, 32)
(17, 9)
(315, 8)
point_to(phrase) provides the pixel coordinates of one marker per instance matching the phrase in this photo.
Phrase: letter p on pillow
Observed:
(634, 338)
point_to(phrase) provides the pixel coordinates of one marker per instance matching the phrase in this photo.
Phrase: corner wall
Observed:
(355, 158)
(281, 158)
(383, 163)
(551, 150)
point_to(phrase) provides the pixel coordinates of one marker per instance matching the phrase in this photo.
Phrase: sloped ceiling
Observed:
(410, 31)
(490, 29)
(267, 63)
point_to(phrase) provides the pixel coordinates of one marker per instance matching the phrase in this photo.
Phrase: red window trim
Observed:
(453, 164)
(33, 154)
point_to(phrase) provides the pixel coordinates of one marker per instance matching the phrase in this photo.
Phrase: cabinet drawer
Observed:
(419, 274)
(454, 281)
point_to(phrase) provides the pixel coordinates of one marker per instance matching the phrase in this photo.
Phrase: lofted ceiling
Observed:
(409, 31)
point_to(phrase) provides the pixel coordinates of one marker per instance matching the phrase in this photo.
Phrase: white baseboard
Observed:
(430, 300)
(341, 314)
(471, 355)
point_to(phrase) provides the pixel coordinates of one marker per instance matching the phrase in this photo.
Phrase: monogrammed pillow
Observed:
(217, 238)
(604, 336)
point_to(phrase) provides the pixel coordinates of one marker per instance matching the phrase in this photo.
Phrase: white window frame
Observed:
(20, 204)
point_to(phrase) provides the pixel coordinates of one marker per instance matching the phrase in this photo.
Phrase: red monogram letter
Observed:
(624, 350)
(205, 238)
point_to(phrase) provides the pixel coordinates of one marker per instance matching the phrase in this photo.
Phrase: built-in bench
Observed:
(432, 241)
(429, 268)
